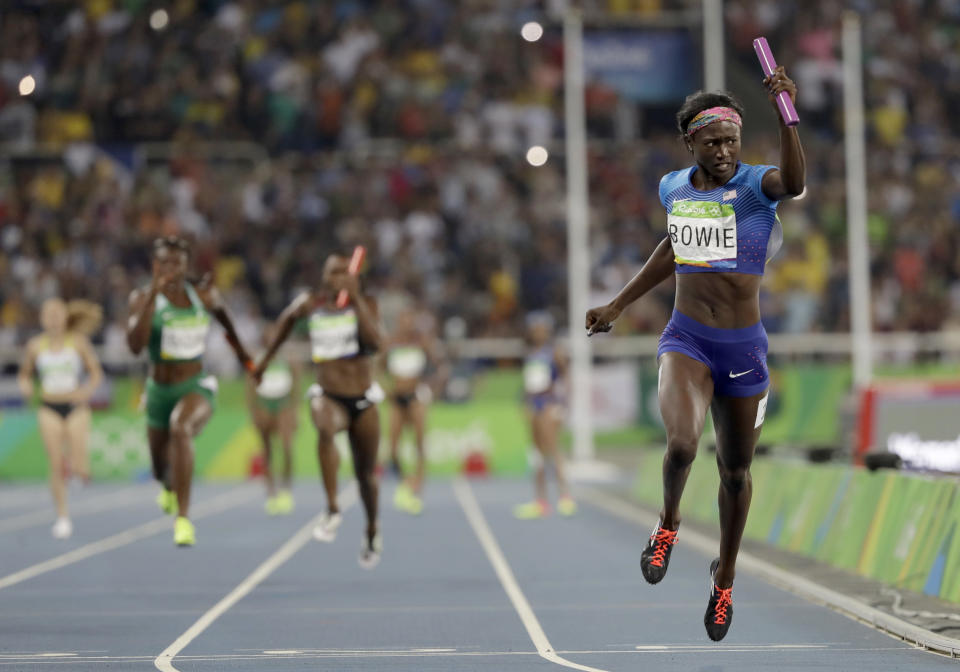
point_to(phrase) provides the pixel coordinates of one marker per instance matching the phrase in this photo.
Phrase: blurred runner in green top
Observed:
(411, 355)
(274, 412)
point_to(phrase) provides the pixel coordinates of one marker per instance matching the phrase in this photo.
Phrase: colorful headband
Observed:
(710, 116)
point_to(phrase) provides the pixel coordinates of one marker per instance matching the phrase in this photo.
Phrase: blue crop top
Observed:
(733, 228)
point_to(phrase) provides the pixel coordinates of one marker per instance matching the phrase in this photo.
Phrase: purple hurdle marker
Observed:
(787, 111)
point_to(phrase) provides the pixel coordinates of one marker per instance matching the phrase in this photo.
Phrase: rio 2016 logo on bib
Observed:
(334, 336)
(703, 233)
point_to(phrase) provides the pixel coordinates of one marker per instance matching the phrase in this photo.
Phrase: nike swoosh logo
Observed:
(737, 375)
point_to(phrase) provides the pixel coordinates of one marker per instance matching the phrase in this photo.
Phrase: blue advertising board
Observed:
(644, 65)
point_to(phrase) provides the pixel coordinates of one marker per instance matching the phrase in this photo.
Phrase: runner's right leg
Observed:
(685, 392)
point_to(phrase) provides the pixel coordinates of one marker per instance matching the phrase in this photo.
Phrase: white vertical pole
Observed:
(578, 239)
(713, 73)
(854, 133)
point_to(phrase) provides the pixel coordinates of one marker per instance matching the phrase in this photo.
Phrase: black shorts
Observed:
(421, 393)
(62, 409)
(354, 406)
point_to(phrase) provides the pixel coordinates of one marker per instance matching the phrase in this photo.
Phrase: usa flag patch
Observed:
(730, 195)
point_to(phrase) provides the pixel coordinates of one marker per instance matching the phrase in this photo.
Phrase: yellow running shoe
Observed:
(183, 532)
(284, 502)
(414, 504)
(167, 501)
(406, 500)
(272, 506)
(531, 510)
(401, 496)
(566, 506)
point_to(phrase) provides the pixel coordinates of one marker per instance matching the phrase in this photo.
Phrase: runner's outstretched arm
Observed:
(657, 268)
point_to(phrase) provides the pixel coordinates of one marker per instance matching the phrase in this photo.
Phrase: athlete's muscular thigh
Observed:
(738, 422)
(328, 416)
(685, 389)
(190, 415)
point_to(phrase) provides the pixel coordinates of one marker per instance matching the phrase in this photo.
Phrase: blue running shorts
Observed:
(737, 358)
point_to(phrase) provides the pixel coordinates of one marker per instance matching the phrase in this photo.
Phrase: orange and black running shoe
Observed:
(719, 607)
(656, 556)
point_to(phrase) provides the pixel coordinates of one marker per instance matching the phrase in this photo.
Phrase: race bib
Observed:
(60, 379)
(275, 384)
(184, 337)
(334, 336)
(537, 377)
(703, 233)
(406, 362)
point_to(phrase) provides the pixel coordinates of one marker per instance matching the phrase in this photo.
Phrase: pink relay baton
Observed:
(787, 111)
(356, 261)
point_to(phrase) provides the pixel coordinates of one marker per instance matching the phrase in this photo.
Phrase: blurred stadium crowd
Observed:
(403, 124)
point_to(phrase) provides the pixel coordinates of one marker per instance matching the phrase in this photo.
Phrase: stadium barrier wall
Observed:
(803, 410)
(899, 528)
(491, 425)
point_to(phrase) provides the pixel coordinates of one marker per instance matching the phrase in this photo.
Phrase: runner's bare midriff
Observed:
(171, 373)
(721, 300)
(346, 377)
(405, 385)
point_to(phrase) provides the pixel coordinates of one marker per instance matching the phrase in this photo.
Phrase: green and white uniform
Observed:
(177, 335)
(275, 391)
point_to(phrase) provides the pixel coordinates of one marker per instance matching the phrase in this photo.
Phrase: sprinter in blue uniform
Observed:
(721, 230)
(544, 370)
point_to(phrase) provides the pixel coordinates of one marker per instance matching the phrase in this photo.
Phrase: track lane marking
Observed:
(164, 662)
(306, 654)
(93, 504)
(468, 502)
(218, 504)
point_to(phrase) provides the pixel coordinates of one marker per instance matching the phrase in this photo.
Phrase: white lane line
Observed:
(164, 662)
(94, 504)
(509, 582)
(218, 504)
(845, 605)
(670, 650)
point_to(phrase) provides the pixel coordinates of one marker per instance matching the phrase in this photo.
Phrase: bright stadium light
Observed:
(159, 19)
(537, 156)
(531, 31)
(27, 85)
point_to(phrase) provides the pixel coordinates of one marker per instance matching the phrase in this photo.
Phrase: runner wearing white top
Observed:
(60, 357)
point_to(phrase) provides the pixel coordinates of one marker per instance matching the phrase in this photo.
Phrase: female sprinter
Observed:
(344, 398)
(722, 228)
(171, 318)
(409, 354)
(273, 411)
(59, 356)
(543, 370)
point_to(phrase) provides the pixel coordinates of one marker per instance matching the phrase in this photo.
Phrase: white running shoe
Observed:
(370, 553)
(326, 529)
(62, 529)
